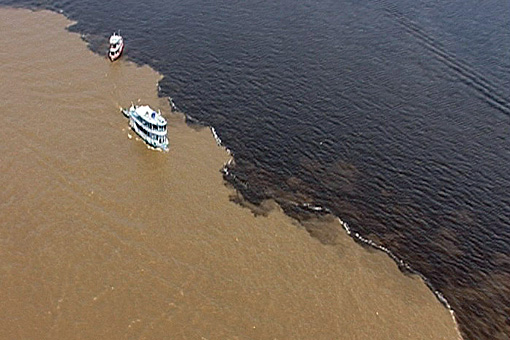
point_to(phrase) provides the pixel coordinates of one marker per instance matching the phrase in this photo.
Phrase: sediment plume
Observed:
(104, 238)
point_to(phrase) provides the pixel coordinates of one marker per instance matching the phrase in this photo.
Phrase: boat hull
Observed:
(117, 54)
(145, 138)
(142, 134)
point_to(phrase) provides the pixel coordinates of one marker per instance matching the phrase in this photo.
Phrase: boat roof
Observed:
(150, 115)
(115, 38)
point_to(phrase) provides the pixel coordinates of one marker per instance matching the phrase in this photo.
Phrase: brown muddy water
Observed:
(103, 238)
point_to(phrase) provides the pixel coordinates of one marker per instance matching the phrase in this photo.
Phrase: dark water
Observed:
(393, 115)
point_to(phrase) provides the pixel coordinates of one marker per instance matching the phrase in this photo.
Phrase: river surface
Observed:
(394, 116)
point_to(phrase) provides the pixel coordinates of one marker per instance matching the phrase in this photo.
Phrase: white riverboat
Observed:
(116, 47)
(148, 124)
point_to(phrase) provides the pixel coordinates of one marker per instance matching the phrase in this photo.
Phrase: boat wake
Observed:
(466, 73)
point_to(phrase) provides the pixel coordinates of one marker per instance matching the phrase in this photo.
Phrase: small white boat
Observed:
(148, 124)
(116, 47)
